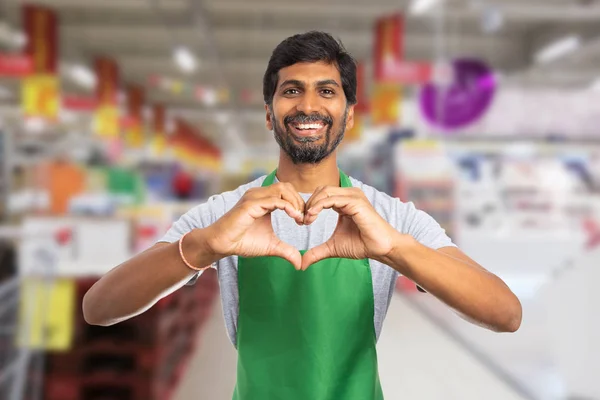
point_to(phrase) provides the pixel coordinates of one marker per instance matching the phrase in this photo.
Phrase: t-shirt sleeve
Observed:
(423, 227)
(201, 216)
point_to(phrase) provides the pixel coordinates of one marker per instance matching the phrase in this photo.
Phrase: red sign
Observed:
(79, 103)
(15, 65)
(406, 72)
(389, 42)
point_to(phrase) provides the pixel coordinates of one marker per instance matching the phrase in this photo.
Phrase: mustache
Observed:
(301, 118)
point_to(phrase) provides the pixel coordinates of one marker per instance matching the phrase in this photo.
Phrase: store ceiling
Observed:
(233, 40)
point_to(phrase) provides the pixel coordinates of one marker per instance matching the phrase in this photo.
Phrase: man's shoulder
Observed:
(229, 198)
(386, 204)
(373, 194)
(236, 194)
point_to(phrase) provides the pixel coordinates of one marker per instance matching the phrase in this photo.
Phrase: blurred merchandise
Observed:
(425, 176)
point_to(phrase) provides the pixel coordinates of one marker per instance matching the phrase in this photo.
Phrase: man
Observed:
(307, 257)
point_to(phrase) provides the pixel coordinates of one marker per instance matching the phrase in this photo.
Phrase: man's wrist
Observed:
(400, 254)
(197, 249)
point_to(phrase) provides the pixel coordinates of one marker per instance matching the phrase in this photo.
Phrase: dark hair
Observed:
(312, 46)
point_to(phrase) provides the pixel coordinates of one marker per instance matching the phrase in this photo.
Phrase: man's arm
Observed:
(137, 284)
(458, 281)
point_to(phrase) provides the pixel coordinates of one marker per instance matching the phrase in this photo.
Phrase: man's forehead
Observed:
(310, 72)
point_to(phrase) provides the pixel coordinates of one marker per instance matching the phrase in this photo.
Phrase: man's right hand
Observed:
(246, 229)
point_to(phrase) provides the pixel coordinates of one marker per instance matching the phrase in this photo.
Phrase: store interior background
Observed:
(117, 116)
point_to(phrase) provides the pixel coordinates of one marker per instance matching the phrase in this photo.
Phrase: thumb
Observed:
(290, 253)
(317, 254)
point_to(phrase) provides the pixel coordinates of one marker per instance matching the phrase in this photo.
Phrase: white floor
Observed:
(417, 362)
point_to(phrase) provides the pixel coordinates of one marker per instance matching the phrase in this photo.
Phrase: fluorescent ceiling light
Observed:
(12, 37)
(210, 97)
(558, 49)
(185, 59)
(19, 39)
(420, 7)
(83, 76)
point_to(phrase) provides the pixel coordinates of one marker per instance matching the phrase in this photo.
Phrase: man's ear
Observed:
(350, 118)
(269, 117)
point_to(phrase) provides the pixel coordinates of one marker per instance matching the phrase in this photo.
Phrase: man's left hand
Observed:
(360, 233)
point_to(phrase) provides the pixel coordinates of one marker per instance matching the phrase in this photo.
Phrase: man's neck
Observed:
(307, 177)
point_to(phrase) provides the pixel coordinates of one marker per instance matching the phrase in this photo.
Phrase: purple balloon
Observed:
(464, 101)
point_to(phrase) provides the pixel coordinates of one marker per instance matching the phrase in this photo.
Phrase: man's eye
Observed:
(328, 92)
(291, 91)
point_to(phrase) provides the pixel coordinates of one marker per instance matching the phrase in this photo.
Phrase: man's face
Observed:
(309, 114)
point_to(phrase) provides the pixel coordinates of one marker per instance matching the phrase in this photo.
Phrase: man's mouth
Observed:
(308, 129)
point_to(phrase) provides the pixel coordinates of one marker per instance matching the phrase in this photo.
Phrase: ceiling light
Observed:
(83, 76)
(18, 39)
(420, 7)
(558, 49)
(210, 97)
(185, 59)
(492, 19)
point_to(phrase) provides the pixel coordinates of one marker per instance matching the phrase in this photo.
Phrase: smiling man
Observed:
(307, 256)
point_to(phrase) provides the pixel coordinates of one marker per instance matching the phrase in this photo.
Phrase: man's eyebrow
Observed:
(327, 82)
(296, 82)
(293, 82)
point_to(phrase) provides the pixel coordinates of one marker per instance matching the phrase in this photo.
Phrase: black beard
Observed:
(302, 150)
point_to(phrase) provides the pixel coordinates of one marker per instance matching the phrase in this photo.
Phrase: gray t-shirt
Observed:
(402, 216)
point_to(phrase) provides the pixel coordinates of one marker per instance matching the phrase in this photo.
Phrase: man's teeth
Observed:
(309, 126)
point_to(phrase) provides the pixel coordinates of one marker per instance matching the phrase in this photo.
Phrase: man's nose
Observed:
(308, 104)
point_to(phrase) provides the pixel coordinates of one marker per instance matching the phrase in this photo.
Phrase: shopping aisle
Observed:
(417, 362)
(211, 371)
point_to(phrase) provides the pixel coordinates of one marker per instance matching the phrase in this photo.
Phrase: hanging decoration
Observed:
(40, 89)
(463, 100)
(106, 121)
(134, 130)
(388, 49)
(159, 134)
(192, 149)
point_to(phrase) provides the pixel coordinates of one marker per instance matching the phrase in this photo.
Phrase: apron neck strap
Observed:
(344, 179)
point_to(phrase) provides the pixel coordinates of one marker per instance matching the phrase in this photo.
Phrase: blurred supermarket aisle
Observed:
(417, 361)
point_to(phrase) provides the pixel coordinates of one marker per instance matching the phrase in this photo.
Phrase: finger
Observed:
(317, 254)
(259, 207)
(345, 205)
(287, 192)
(291, 193)
(324, 192)
(287, 252)
(320, 193)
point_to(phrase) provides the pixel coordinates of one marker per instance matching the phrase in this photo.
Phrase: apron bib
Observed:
(306, 335)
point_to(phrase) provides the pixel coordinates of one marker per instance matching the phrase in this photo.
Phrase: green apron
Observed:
(306, 335)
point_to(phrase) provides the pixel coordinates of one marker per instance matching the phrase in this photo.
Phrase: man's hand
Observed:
(360, 233)
(246, 229)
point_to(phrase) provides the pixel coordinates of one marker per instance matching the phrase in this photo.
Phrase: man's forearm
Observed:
(134, 286)
(477, 294)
